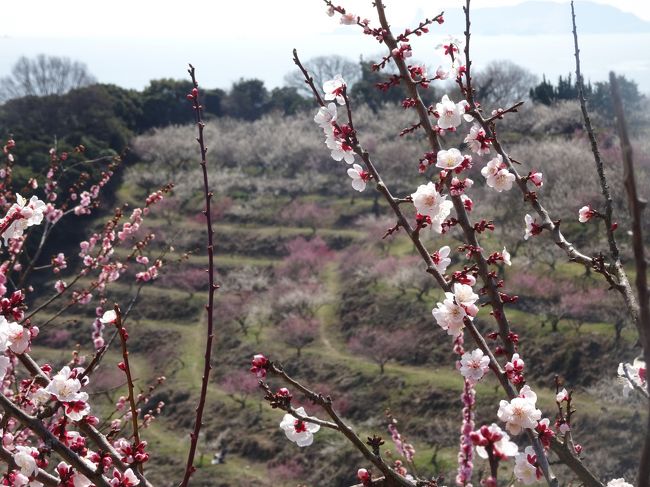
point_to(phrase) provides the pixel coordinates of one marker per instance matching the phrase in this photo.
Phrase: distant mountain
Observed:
(540, 17)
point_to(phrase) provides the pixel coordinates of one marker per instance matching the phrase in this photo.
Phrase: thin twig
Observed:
(205, 380)
(129, 380)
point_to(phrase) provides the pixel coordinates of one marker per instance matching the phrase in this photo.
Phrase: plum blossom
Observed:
(4, 366)
(506, 256)
(259, 365)
(428, 201)
(473, 365)
(348, 19)
(450, 46)
(126, 479)
(536, 178)
(520, 412)
(525, 469)
(340, 150)
(333, 89)
(563, 395)
(359, 177)
(326, 116)
(451, 313)
(441, 259)
(66, 388)
(442, 73)
(449, 159)
(493, 436)
(497, 174)
(633, 376)
(21, 215)
(14, 336)
(109, 317)
(450, 316)
(514, 369)
(586, 213)
(298, 431)
(450, 114)
(25, 458)
(532, 227)
(618, 483)
(477, 140)
(78, 480)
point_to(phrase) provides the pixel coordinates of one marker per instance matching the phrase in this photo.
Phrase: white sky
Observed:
(217, 19)
(130, 42)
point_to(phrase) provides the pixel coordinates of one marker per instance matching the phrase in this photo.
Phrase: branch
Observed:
(205, 380)
(636, 207)
(98, 438)
(41, 475)
(463, 217)
(395, 480)
(623, 281)
(46, 435)
(129, 380)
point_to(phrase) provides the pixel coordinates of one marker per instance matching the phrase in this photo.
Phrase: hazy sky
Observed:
(131, 42)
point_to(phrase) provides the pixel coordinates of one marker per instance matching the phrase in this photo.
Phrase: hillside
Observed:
(307, 279)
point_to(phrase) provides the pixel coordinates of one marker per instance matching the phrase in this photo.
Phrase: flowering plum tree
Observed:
(381, 346)
(297, 332)
(448, 188)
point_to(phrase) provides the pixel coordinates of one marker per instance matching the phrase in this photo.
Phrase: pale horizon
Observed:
(134, 43)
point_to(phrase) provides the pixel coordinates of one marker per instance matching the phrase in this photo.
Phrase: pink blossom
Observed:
(585, 214)
(536, 178)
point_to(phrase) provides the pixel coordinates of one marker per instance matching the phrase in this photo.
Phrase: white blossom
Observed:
(326, 116)
(340, 150)
(298, 431)
(441, 259)
(450, 316)
(618, 483)
(633, 376)
(524, 471)
(520, 412)
(506, 256)
(333, 89)
(348, 19)
(25, 460)
(359, 177)
(531, 227)
(449, 159)
(497, 175)
(477, 140)
(14, 336)
(449, 113)
(66, 387)
(473, 365)
(109, 317)
(428, 201)
(27, 213)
